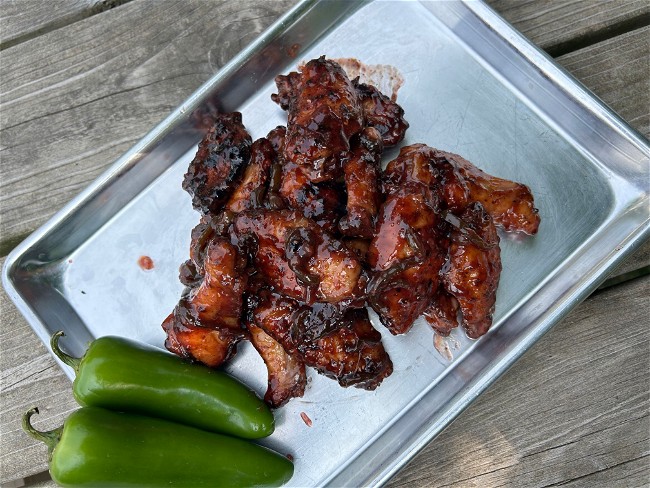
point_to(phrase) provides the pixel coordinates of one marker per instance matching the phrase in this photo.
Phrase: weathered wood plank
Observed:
(619, 67)
(21, 20)
(77, 98)
(575, 409)
(557, 24)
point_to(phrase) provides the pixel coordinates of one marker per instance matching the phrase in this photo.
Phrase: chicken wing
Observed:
(405, 259)
(299, 259)
(473, 269)
(212, 347)
(286, 372)
(510, 204)
(442, 312)
(219, 162)
(407, 250)
(323, 114)
(251, 190)
(321, 202)
(205, 325)
(342, 345)
(380, 112)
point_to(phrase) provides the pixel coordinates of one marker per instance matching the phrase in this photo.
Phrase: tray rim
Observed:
(531, 53)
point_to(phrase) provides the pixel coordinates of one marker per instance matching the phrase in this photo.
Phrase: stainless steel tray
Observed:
(473, 86)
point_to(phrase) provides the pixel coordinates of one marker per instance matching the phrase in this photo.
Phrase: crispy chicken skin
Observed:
(205, 324)
(380, 112)
(219, 162)
(287, 377)
(473, 269)
(342, 345)
(300, 259)
(510, 204)
(251, 190)
(323, 114)
(361, 173)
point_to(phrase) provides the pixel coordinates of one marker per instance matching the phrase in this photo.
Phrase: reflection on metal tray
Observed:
(473, 86)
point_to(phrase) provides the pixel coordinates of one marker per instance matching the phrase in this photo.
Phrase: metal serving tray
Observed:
(473, 86)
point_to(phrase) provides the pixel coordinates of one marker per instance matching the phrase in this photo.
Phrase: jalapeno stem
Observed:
(66, 358)
(50, 437)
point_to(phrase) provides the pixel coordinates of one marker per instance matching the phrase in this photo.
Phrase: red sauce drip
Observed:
(292, 51)
(305, 419)
(146, 263)
(289, 457)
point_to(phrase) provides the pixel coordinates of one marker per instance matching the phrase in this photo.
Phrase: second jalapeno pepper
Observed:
(96, 447)
(121, 374)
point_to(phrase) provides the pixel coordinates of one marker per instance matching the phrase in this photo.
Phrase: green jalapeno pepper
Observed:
(96, 447)
(121, 374)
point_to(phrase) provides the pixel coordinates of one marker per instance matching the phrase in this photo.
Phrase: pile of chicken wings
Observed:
(301, 231)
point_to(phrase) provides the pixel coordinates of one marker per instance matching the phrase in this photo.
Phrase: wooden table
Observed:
(83, 80)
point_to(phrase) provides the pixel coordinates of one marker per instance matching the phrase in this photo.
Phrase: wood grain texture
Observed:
(575, 409)
(21, 20)
(620, 68)
(76, 99)
(558, 23)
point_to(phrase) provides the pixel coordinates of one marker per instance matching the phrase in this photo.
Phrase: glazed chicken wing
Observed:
(212, 347)
(407, 250)
(323, 114)
(205, 325)
(217, 167)
(299, 259)
(382, 113)
(442, 312)
(378, 110)
(251, 190)
(460, 183)
(321, 202)
(509, 203)
(474, 267)
(286, 372)
(342, 345)
(405, 259)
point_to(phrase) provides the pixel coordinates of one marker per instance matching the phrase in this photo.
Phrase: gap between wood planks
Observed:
(58, 23)
(600, 35)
